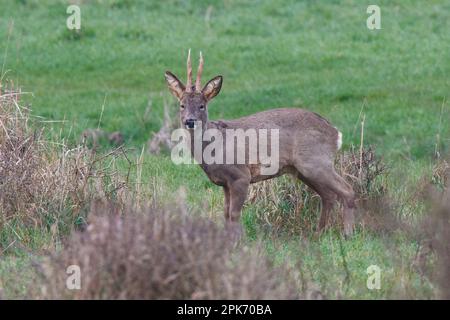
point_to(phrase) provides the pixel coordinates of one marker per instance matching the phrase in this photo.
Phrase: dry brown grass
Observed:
(441, 174)
(45, 183)
(161, 254)
(364, 170)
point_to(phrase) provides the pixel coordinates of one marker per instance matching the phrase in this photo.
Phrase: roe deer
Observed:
(307, 147)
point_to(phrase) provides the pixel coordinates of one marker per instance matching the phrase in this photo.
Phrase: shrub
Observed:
(161, 254)
(364, 170)
(433, 235)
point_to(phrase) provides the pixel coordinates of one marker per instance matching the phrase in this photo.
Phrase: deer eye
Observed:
(202, 107)
(182, 106)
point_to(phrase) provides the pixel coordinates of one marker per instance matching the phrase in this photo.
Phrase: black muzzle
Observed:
(190, 123)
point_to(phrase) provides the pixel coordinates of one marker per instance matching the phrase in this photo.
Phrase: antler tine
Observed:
(189, 73)
(199, 74)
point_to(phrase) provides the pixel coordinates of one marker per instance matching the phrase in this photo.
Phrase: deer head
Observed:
(193, 100)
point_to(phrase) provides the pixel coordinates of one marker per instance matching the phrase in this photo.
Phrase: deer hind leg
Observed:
(327, 182)
(347, 196)
(327, 197)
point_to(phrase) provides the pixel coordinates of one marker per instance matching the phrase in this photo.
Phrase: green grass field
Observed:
(308, 54)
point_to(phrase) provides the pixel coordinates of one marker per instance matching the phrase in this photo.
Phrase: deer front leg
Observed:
(226, 205)
(238, 193)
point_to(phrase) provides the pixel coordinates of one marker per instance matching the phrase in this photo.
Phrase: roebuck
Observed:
(307, 147)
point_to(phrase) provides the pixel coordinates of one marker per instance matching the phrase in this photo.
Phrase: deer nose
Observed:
(190, 123)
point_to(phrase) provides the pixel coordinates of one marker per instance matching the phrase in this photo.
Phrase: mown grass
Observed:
(307, 54)
(287, 53)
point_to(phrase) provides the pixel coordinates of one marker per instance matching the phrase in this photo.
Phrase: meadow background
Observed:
(306, 54)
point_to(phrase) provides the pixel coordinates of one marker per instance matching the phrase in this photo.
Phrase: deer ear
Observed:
(212, 88)
(175, 85)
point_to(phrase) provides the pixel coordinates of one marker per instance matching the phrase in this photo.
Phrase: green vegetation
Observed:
(308, 54)
(286, 53)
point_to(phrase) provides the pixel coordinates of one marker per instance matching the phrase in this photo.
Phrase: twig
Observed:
(101, 114)
(361, 147)
(437, 152)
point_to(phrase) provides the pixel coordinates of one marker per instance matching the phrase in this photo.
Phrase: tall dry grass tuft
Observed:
(161, 254)
(284, 206)
(45, 183)
(364, 170)
(441, 174)
(287, 206)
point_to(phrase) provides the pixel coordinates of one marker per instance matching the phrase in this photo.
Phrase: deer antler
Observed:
(199, 74)
(189, 73)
